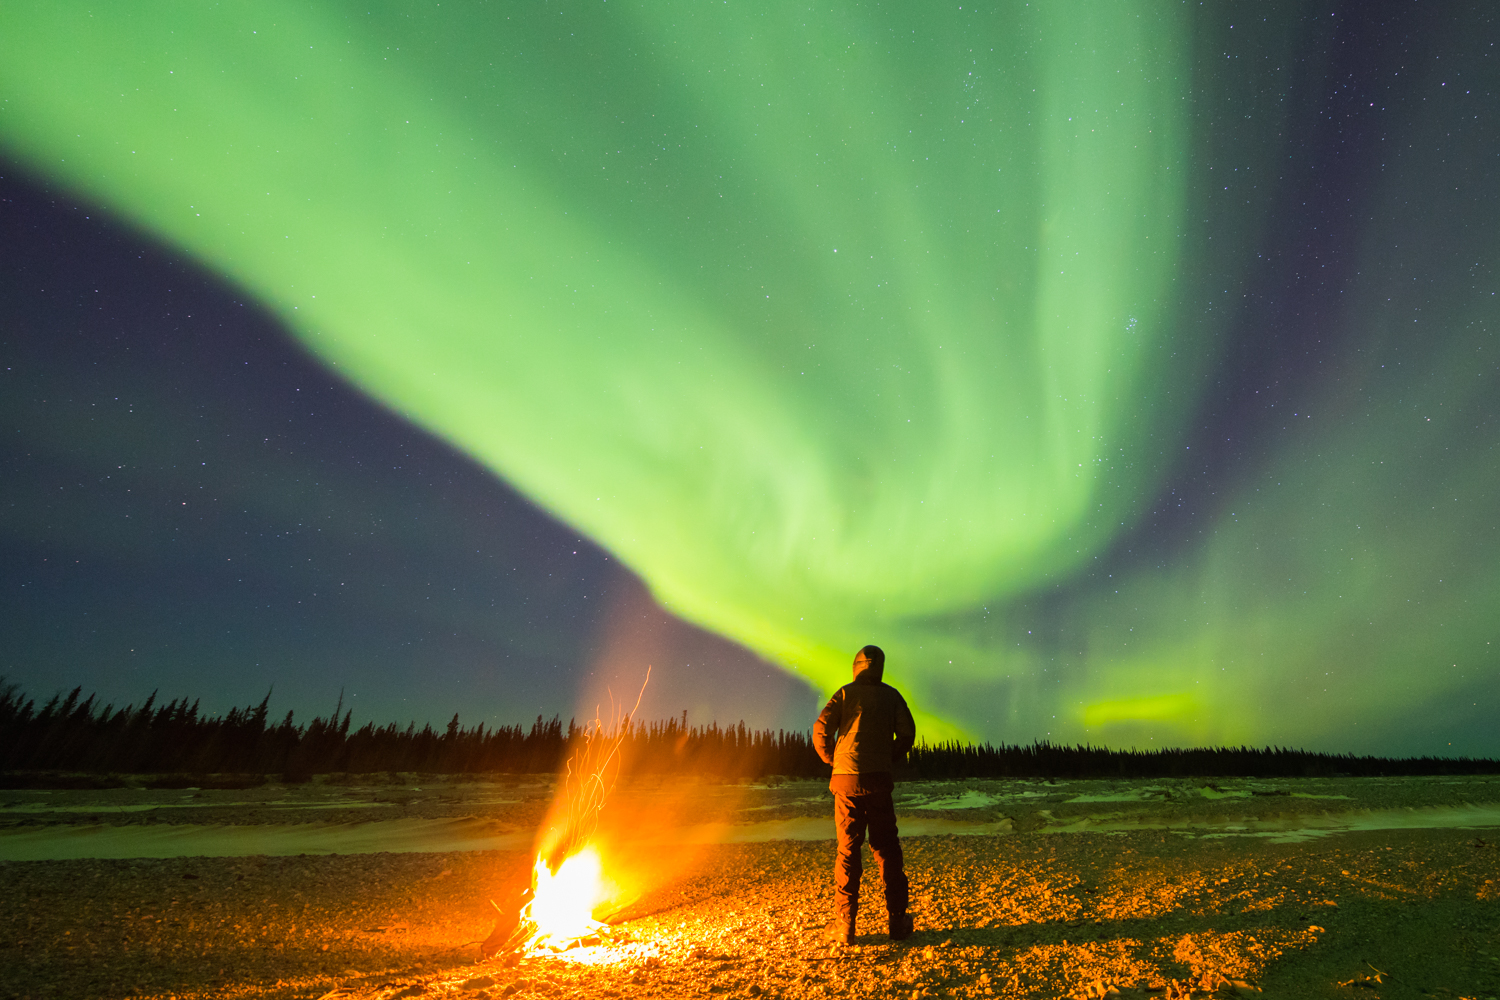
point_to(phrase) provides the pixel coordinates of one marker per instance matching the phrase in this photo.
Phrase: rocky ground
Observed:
(1143, 912)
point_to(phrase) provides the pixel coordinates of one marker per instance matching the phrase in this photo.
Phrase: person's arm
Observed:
(826, 729)
(906, 731)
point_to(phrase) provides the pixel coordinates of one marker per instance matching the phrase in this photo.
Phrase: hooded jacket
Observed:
(865, 727)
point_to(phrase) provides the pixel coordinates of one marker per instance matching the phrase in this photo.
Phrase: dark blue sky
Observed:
(194, 505)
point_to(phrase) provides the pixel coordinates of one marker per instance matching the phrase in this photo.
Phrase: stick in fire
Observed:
(556, 909)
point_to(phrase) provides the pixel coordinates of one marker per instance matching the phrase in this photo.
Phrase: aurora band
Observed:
(836, 326)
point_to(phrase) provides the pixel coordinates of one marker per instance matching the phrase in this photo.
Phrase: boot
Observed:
(901, 927)
(841, 927)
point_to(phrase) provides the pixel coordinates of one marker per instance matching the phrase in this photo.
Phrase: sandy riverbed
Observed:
(1173, 892)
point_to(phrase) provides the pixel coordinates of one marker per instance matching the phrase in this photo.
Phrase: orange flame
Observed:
(563, 902)
(568, 882)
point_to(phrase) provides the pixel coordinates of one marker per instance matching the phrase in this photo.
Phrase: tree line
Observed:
(74, 734)
(71, 733)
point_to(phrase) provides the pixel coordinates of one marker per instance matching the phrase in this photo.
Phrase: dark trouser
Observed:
(853, 814)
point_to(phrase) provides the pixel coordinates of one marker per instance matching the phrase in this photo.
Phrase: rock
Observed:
(479, 982)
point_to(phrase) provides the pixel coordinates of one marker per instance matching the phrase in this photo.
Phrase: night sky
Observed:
(191, 503)
(1131, 378)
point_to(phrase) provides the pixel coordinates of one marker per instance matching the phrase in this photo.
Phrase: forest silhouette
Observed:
(78, 736)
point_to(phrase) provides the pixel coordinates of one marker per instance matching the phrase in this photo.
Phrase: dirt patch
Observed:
(1405, 913)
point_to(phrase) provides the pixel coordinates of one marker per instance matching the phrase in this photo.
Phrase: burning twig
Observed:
(509, 932)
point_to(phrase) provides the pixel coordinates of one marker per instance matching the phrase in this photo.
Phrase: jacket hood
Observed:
(872, 673)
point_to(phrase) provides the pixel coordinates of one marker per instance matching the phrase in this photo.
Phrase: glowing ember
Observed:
(562, 906)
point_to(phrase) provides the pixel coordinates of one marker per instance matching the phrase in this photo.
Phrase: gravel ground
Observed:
(1407, 913)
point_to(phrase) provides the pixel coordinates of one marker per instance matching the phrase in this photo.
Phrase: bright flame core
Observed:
(562, 906)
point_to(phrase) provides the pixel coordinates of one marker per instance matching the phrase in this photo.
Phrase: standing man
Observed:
(863, 731)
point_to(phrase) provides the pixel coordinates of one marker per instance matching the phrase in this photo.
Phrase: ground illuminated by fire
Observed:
(1186, 899)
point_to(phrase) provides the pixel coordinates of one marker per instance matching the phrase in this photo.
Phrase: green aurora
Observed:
(871, 324)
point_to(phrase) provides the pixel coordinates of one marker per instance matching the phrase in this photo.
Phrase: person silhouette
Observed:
(863, 731)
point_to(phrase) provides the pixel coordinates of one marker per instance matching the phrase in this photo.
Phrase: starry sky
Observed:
(1128, 376)
(193, 504)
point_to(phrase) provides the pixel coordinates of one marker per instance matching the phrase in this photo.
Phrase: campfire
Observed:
(568, 884)
(563, 902)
